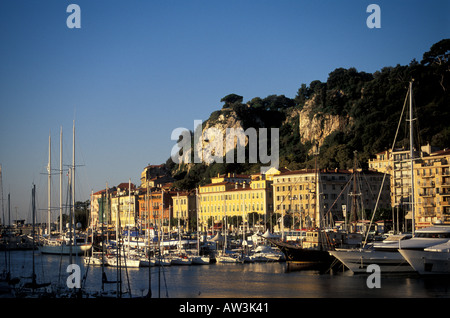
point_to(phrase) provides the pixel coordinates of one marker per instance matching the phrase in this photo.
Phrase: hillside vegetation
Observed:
(370, 104)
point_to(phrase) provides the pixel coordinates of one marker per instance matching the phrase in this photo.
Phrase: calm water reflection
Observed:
(234, 280)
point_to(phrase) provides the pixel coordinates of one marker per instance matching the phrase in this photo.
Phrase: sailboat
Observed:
(313, 255)
(69, 243)
(386, 253)
(94, 258)
(199, 259)
(119, 257)
(33, 289)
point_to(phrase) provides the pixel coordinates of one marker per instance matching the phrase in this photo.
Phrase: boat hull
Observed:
(228, 259)
(65, 249)
(304, 259)
(200, 260)
(129, 263)
(427, 262)
(358, 260)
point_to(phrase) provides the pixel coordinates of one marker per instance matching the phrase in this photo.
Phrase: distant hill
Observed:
(351, 111)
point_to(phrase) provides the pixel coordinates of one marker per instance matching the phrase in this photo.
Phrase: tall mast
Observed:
(49, 191)
(411, 146)
(1, 190)
(196, 212)
(129, 212)
(178, 217)
(9, 232)
(60, 182)
(73, 179)
(33, 212)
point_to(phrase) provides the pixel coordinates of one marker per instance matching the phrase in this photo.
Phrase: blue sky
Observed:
(136, 70)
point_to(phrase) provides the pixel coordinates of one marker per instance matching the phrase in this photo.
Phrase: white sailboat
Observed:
(384, 254)
(123, 259)
(226, 258)
(199, 259)
(70, 243)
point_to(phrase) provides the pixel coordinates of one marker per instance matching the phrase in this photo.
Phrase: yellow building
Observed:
(314, 198)
(184, 208)
(234, 200)
(432, 189)
(431, 183)
(124, 205)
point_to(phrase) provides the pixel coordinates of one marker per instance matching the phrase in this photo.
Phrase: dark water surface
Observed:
(257, 280)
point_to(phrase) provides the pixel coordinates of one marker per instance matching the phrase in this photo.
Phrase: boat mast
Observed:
(73, 179)
(178, 217)
(60, 182)
(72, 228)
(9, 233)
(196, 210)
(411, 146)
(3, 211)
(49, 190)
(317, 213)
(33, 212)
(129, 213)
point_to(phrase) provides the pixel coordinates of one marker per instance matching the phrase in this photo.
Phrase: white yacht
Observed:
(432, 260)
(267, 253)
(386, 253)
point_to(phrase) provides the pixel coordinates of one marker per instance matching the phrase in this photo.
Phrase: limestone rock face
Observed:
(315, 127)
(214, 141)
(215, 137)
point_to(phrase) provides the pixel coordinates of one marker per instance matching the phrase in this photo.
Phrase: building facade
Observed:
(313, 198)
(185, 209)
(235, 202)
(432, 190)
(431, 183)
(155, 207)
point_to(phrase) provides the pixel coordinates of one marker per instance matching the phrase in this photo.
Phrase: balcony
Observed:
(427, 195)
(428, 185)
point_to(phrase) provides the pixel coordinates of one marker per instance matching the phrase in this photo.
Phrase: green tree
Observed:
(231, 99)
(438, 57)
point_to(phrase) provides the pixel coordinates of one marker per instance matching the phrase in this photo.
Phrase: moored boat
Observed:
(63, 246)
(434, 260)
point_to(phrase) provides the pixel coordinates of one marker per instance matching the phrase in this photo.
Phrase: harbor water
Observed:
(255, 280)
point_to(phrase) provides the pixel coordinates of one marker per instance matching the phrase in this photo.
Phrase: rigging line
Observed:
(126, 267)
(329, 210)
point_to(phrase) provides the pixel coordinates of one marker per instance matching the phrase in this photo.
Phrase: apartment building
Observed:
(432, 190)
(430, 182)
(155, 206)
(124, 205)
(184, 208)
(314, 198)
(225, 200)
